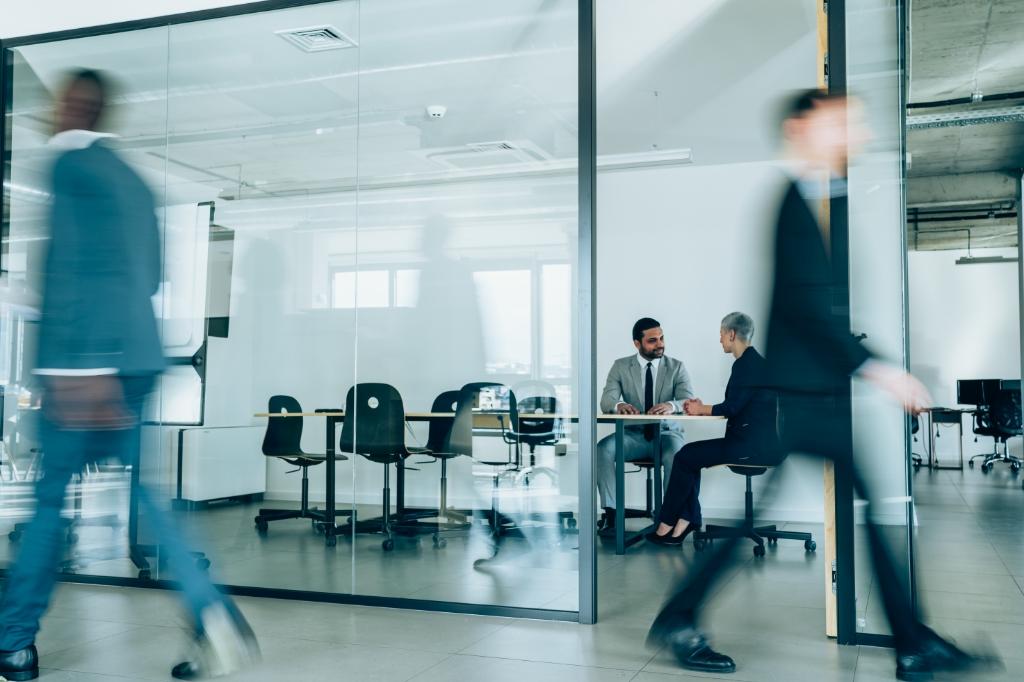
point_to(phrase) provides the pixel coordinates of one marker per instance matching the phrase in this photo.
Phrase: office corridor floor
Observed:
(768, 614)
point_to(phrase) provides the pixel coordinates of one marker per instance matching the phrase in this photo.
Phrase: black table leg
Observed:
(658, 483)
(330, 527)
(620, 488)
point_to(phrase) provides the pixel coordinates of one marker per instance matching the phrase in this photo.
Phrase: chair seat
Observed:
(643, 463)
(747, 469)
(309, 458)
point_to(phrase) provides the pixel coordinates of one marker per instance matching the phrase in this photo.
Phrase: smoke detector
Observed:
(317, 38)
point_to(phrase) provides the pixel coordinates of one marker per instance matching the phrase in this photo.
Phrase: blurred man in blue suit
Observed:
(99, 355)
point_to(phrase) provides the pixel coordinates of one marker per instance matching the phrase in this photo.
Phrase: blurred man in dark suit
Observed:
(99, 355)
(811, 357)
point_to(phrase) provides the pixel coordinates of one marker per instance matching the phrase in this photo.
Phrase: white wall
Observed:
(964, 324)
(687, 246)
(44, 16)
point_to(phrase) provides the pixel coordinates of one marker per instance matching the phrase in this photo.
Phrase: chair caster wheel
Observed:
(970, 463)
(388, 545)
(203, 564)
(699, 545)
(440, 543)
(14, 535)
(570, 524)
(262, 527)
(145, 574)
(773, 541)
(810, 545)
(72, 538)
(759, 550)
(331, 541)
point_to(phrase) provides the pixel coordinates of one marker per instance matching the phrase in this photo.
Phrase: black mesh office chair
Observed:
(374, 428)
(999, 418)
(533, 422)
(758, 534)
(283, 440)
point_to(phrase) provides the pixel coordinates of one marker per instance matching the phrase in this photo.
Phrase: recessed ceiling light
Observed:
(317, 38)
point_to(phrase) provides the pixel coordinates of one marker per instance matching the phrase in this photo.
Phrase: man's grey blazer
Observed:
(625, 384)
(102, 268)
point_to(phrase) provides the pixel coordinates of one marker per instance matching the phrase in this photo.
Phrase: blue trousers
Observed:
(31, 580)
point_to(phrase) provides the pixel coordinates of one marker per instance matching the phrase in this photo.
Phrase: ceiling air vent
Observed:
(488, 155)
(317, 38)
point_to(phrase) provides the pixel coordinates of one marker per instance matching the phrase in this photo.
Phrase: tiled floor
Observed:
(768, 614)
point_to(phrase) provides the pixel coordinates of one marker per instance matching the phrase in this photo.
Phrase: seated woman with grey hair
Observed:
(750, 434)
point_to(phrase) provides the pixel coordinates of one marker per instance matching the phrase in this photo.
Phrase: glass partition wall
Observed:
(364, 205)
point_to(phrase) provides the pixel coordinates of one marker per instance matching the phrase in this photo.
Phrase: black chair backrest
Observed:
(284, 434)
(530, 398)
(440, 427)
(460, 437)
(374, 423)
(530, 429)
(1002, 416)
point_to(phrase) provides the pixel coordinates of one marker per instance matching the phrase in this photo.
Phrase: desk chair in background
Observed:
(758, 534)
(999, 420)
(374, 428)
(283, 440)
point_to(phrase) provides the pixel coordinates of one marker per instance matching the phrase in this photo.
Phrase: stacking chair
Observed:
(460, 441)
(374, 428)
(758, 534)
(448, 520)
(283, 440)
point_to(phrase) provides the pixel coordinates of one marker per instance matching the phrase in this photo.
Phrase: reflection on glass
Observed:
(321, 231)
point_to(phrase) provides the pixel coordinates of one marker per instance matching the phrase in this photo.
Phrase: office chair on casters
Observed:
(283, 440)
(374, 428)
(758, 534)
(532, 423)
(1000, 419)
(448, 520)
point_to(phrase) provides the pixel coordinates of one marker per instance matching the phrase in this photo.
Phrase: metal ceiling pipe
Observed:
(974, 99)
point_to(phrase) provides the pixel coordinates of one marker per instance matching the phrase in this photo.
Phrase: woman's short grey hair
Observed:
(739, 323)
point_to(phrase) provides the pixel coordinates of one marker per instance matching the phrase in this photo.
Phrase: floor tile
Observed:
(479, 669)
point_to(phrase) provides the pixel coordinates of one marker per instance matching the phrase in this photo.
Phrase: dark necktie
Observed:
(649, 429)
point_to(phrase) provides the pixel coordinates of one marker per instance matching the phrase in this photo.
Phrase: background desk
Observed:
(495, 420)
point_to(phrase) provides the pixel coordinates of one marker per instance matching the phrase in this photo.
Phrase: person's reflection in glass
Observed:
(98, 357)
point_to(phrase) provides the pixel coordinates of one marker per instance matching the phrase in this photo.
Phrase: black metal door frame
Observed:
(845, 578)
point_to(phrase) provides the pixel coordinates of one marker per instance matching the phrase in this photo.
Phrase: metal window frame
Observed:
(586, 279)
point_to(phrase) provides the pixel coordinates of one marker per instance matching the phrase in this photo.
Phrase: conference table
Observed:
(491, 420)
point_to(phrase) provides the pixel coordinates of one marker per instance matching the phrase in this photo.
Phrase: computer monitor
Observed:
(493, 398)
(976, 391)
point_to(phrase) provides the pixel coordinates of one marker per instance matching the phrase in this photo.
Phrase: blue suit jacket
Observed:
(102, 268)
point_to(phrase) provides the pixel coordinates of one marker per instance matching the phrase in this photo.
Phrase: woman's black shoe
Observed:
(668, 540)
(665, 540)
